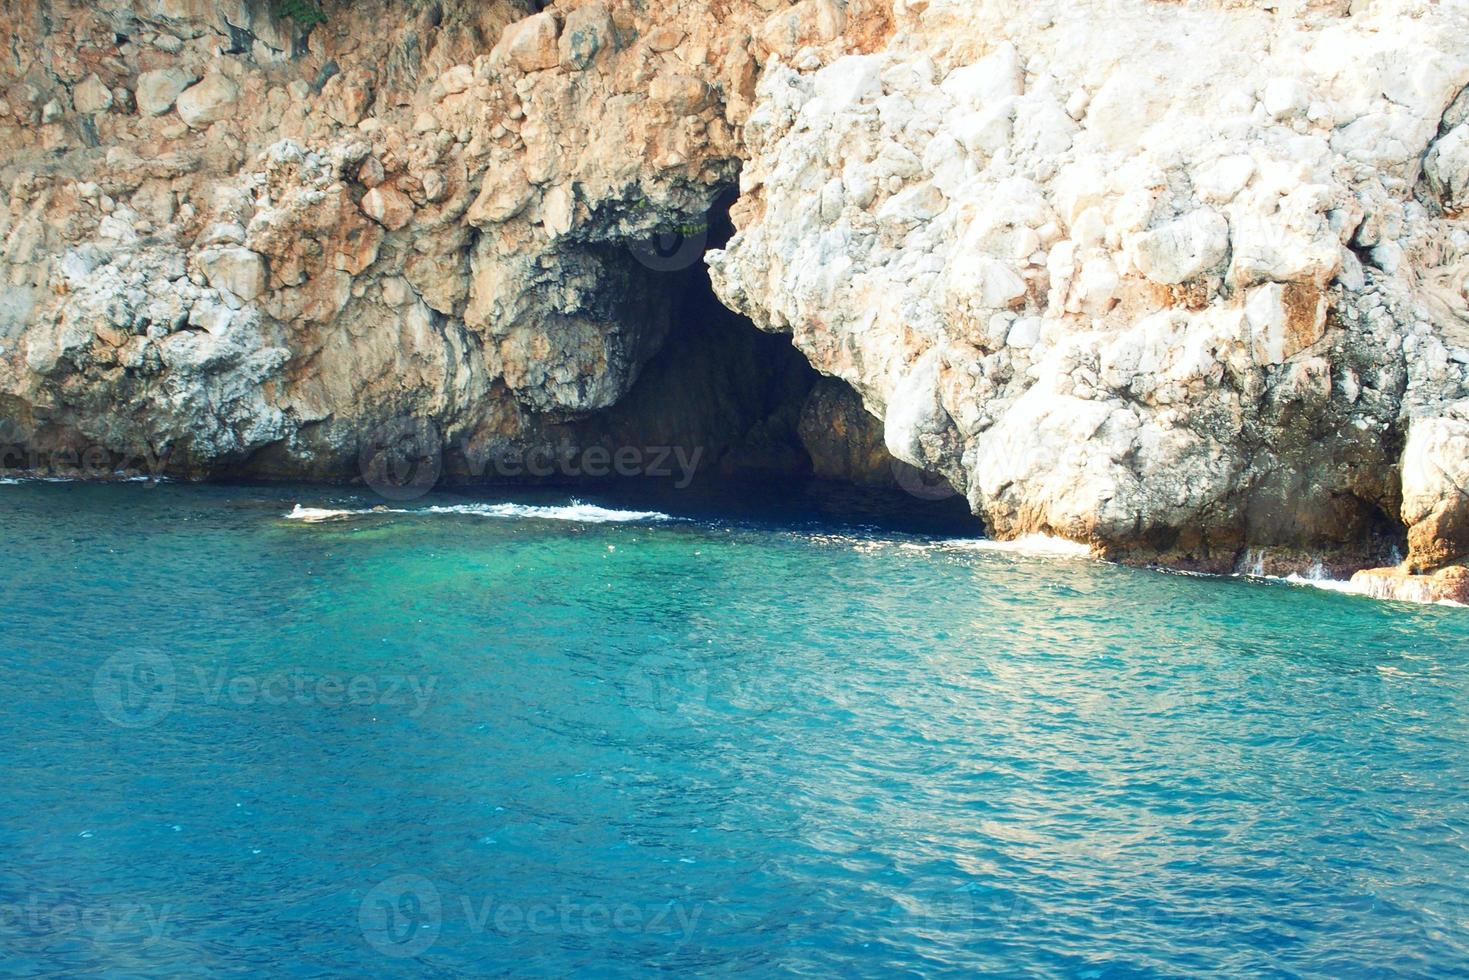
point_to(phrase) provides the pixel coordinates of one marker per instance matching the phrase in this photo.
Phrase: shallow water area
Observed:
(531, 733)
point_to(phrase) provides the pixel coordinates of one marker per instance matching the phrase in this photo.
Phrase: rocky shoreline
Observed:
(1183, 282)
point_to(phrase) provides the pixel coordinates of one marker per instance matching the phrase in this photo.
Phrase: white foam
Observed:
(575, 511)
(1355, 588)
(299, 513)
(1030, 545)
(118, 477)
(1320, 582)
(1036, 545)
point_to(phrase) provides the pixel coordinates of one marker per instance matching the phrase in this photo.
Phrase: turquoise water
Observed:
(457, 744)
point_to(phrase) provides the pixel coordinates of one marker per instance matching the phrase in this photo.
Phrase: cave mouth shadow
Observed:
(750, 428)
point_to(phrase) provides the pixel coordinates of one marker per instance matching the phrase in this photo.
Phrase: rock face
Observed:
(209, 101)
(1184, 282)
(269, 243)
(1175, 281)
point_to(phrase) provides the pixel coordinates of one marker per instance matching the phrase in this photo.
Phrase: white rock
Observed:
(212, 99)
(1221, 181)
(1090, 228)
(847, 82)
(557, 210)
(158, 89)
(1077, 102)
(212, 317)
(985, 282)
(1284, 97)
(994, 77)
(917, 204)
(1447, 167)
(1025, 333)
(1351, 276)
(1182, 249)
(236, 270)
(989, 130)
(1096, 284)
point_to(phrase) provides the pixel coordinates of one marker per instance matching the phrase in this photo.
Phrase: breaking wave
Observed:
(574, 511)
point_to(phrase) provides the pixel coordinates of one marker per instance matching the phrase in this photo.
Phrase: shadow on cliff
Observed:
(743, 420)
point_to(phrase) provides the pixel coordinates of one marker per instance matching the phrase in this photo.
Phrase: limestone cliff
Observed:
(1186, 282)
(1183, 281)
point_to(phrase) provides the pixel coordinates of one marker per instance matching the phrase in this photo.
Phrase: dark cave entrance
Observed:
(768, 432)
(717, 385)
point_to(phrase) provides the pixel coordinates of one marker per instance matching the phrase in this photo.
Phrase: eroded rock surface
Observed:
(1173, 280)
(242, 246)
(1185, 282)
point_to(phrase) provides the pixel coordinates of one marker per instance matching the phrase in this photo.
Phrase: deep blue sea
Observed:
(460, 739)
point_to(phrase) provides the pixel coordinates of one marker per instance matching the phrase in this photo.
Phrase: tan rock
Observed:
(346, 96)
(502, 197)
(388, 206)
(91, 96)
(530, 44)
(371, 172)
(456, 80)
(1449, 584)
(212, 99)
(684, 95)
(238, 270)
(110, 335)
(441, 282)
(158, 89)
(589, 30)
(666, 38)
(810, 22)
(1284, 319)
